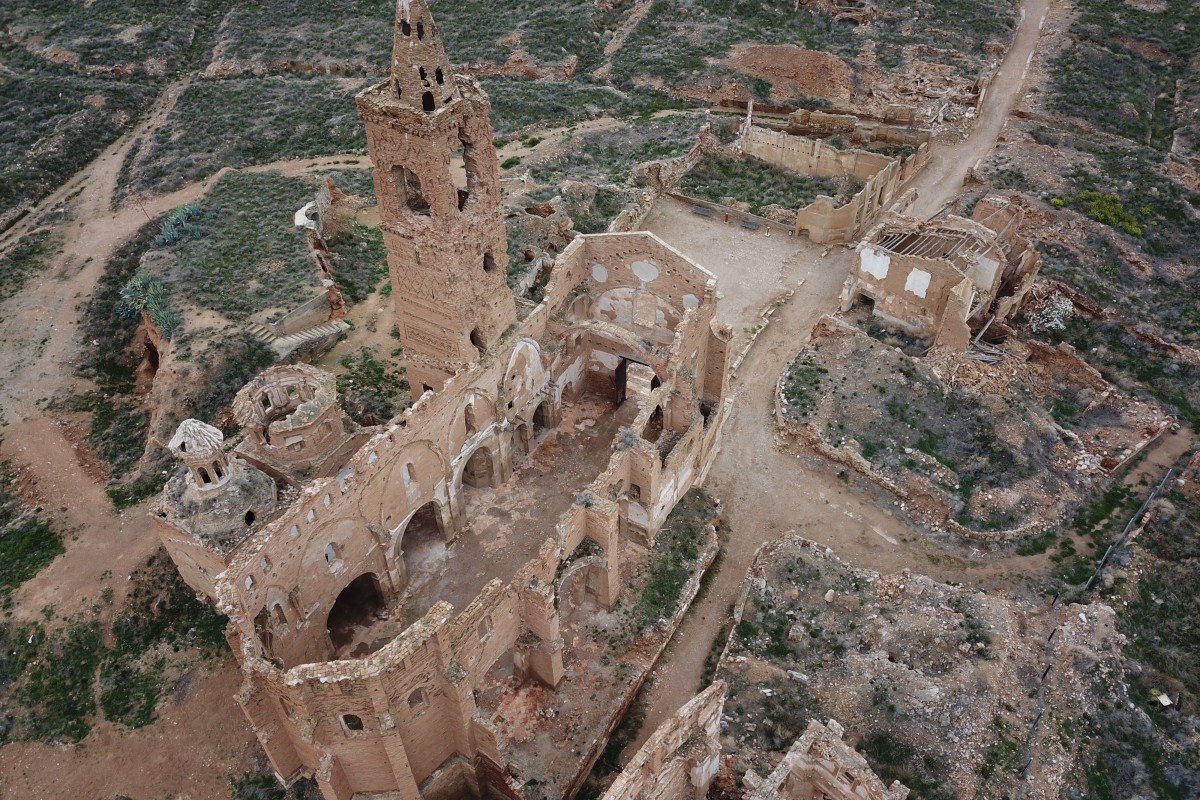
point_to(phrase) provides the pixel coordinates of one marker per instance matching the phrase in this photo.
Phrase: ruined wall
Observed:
(822, 220)
(822, 124)
(681, 758)
(911, 292)
(820, 766)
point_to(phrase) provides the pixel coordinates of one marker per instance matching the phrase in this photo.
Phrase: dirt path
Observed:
(942, 178)
(767, 491)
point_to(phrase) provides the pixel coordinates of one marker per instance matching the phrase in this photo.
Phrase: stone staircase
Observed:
(285, 345)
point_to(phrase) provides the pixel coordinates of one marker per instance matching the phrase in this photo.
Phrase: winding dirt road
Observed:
(943, 176)
(766, 491)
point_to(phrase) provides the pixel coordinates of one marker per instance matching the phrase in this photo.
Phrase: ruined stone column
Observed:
(538, 650)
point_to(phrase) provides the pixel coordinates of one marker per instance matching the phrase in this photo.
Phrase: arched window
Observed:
(427, 102)
(204, 476)
(405, 28)
(477, 340)
(489, 263)
(418, 701)
(353, 722)
(438, 76)
(421, 31)
(331, 553)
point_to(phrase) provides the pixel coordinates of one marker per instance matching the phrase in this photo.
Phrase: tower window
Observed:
(421, 31)
(438, 76)
(249, 518)
(408, 188)
(353, 722)
(405, 28)
(427, 101)
(204, 477)
(422, 73)
(477, 340)
(489, 263)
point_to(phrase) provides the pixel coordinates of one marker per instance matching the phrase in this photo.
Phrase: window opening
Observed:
(427, 102)
(353, 722)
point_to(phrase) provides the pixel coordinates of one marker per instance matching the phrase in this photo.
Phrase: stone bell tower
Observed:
(444, 229)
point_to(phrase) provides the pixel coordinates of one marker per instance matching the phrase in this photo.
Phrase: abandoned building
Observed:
(683, 757)
(368, 611)
(880, 176)
(946, 279)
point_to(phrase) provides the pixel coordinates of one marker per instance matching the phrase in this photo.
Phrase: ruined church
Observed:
(384, 625)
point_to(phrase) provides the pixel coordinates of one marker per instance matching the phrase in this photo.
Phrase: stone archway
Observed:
(356, 607)
(422, 544)
(541, 419)
(479, 471)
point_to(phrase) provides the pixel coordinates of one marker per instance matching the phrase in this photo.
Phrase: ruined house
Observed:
(820, 766)
(683, 757)
(371, 617)
(946, 279)
(880, 176)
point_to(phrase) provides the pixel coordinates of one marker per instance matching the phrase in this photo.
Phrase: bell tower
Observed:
(443, 228)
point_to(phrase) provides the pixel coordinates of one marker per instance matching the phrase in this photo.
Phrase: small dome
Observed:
(196, 439)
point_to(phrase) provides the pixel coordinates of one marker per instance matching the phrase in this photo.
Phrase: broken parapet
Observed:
(820, 764)
(681, 758)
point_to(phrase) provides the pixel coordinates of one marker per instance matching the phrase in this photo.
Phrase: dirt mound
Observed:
(794, 71)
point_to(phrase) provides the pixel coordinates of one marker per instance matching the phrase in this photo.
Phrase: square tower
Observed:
(444, 230)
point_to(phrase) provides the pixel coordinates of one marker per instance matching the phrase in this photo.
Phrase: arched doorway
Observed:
(422, 544)
(354, 608)
(478, 473)
(520, 441)
(541, 420)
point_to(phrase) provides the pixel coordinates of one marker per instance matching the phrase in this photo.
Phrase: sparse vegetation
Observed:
(51, 677)
(26, 258)
(717, 178)
(372, 391)
(27, 541)
(240, 122)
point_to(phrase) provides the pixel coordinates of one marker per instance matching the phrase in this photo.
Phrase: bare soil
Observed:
(795, 72)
